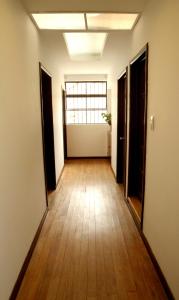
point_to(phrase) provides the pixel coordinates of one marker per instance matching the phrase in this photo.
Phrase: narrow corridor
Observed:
(89, 247)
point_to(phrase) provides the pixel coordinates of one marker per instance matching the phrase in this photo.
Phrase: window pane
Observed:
(96, 102)
(98, 116)
(81, 103)
(76, 117)
(89, 88)
(100, 88)
(81, 88)
(75, 103)
(70, 117)
(82, 117)
(75, 88)
(69, 88)
(94, 116)
(69, 103)
(103, 102)
(96, 88)
(90, 102)
(90, 117)
(81, 110)
(104, 86)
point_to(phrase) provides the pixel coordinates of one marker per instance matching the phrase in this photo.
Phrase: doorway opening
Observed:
(122, 130)
(47, 130)
(137, 133)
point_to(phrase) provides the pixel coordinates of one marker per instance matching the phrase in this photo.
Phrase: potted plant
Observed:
(107, 117)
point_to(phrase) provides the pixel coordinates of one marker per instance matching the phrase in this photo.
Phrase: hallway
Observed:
(89, 247)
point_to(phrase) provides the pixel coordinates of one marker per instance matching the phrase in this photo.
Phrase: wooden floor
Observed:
(89, 247)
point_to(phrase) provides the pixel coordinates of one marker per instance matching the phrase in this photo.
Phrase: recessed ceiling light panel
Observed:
(60, 21)
(85, 45)
(111, 21)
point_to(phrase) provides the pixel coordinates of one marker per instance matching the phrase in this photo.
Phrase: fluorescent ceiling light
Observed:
(61, 21)
(111, 21)
(85, 45)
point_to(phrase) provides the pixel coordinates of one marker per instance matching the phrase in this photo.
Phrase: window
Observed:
(85, 102)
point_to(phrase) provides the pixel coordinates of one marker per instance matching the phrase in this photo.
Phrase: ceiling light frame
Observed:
(56, 21)
(86, 25)
(121, 24)
(85, 45)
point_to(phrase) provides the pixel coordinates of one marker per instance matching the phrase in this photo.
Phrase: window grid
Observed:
(85, 102)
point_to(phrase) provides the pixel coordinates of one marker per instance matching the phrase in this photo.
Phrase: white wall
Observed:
(22, 189)
(87, 140)
(159, 26)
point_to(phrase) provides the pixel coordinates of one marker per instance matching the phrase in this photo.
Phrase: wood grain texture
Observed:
(89, 247)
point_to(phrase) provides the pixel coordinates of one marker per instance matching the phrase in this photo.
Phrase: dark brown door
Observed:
(47, 129)
(138, 126)
(64, 124)
(121, 130)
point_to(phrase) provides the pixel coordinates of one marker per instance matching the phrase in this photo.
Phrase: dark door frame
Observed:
(143, 51)
(41, 70)
(64, 123)
(122, 139)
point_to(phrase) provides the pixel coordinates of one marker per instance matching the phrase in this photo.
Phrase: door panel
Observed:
(47, 130)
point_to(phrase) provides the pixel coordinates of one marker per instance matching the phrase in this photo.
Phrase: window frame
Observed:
(86, 96)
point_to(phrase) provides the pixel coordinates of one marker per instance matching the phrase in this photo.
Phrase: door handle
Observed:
(121, 138)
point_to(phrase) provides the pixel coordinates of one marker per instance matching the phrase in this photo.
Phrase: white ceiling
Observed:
(85, 5)
(116, 50)
(113, 6)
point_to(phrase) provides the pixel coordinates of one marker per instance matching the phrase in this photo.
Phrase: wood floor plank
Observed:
(89, 247)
